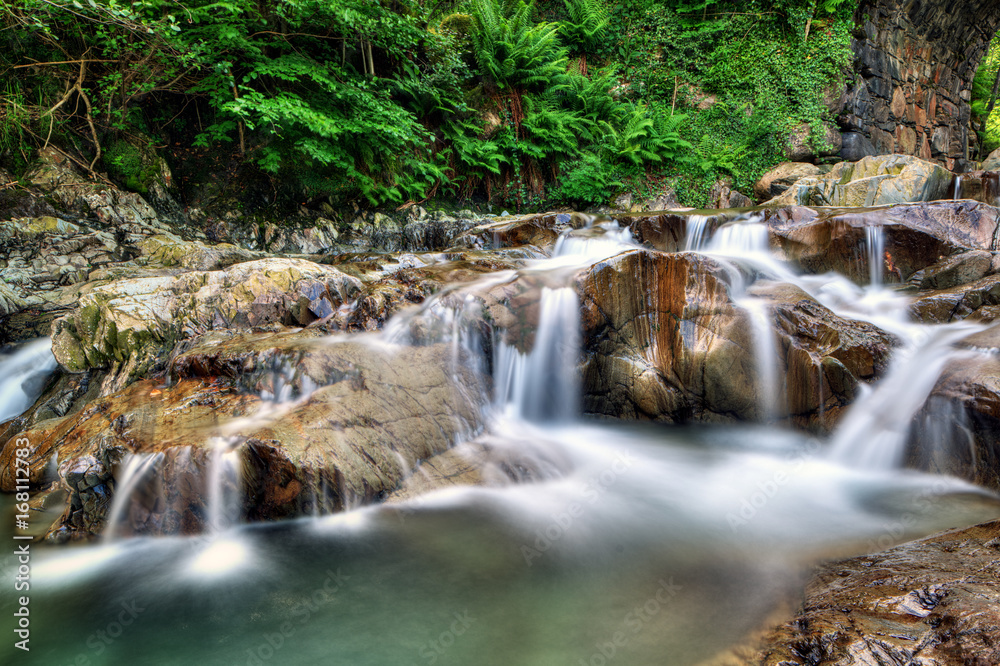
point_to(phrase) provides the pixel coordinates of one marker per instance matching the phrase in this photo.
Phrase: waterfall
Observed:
(23, 375)
(544, 384)
(873, 432)
(769, 389)
(958, 188)
(135, 470)
(875, 244)
(697, 233)
(741, 237)
(222, 506)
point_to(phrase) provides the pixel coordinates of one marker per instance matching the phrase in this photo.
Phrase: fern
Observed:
(587, 24)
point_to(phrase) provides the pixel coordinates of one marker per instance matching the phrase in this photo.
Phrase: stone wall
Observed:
(914, 62)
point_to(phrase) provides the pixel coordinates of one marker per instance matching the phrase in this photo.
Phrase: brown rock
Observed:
(783, 176)
(932, 601)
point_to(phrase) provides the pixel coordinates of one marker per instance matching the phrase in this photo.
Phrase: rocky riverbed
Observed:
(181, 341)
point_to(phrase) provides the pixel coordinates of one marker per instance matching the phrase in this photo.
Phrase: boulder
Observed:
(665, 342)
(131, 325)
(783, 176)
(953, 271)
(823, 358)
(992, 161)
(932, 601)
(956, 303)
(915, 236)
(374, 417)
(872, 181)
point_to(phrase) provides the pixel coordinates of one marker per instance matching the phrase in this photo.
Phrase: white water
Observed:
(875, 244)
(23, 375)
(958, 188)
(547, 571)
(698, 233)
(134, 471)
(224, 490)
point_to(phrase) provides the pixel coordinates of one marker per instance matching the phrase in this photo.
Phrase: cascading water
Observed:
(135, 471)
(873, 433)
(653, 540)
(958, 188)
(875, 244)
(543, 384)
(23, 374)
(697, 234)
(224, 491)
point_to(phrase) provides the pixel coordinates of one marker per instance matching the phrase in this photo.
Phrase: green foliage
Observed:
(512, 50)
(586, 24)
(589, 181)
(982, 93)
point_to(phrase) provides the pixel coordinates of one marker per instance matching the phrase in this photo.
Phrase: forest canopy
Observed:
(519, 103)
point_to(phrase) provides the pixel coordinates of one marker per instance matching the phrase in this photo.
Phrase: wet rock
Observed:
(955, 270)
(931, 601)
(916, 236)
(486, 461)
(375, 416)
(540, 231)
(131, 325)
(872, 181)
(668, 232)
(823, 358)
(783, 176)
(663, 340)
(958, 302)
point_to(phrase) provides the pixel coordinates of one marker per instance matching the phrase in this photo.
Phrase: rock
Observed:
(992, 162)
(783, 176)
(665, 342)
(823, 358)
(131, 325)
(800, 149)
(957, 431)
(916, 236)
(931, 601)
(375, 416)
(668, 232)
(856, 146)
(955, 270)
(873, 181)
(167, 250)
(958, 302)
(540, 231)
(55, 175)
(723, 196)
